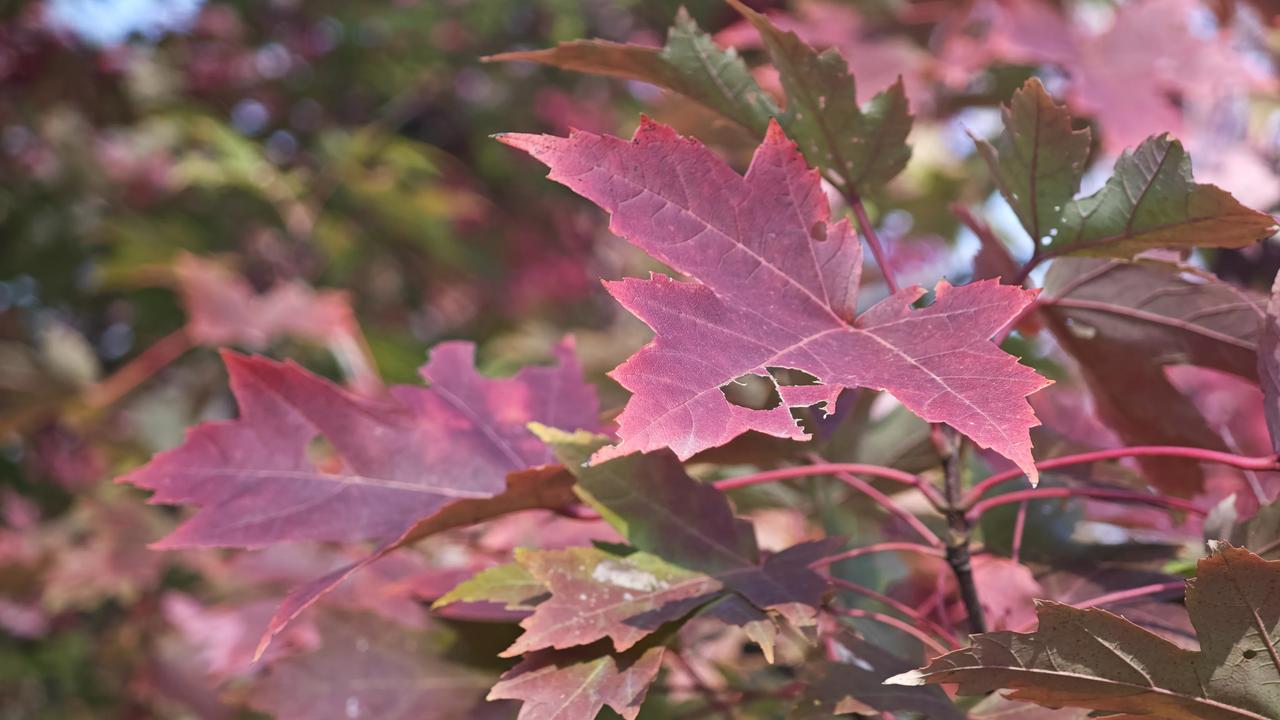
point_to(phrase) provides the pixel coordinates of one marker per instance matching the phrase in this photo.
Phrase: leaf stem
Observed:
(1032, 264)
(1244, 462)
(1113, 495)
(873, 240)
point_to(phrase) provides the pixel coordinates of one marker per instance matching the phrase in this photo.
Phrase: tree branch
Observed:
(951, 446)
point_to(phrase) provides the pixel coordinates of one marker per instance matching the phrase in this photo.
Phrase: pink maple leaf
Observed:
(223, 309)
(307, 460)
(777, 286)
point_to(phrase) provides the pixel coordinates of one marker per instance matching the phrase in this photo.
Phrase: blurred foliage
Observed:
(347, 145)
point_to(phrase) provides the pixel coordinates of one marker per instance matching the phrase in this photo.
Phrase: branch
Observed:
(878, 548)
(951, 446)
(885, 473)
(889, 505)
(1120, 596)
(1244, 462)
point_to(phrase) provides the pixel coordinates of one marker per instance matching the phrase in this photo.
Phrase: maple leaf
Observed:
(875, 57)
(596, 594)
(653, 503)
(223, 309)
(1124, 322)
(579, 683)
(777, 286)
(1038, 160)
(690, 64)
(1151, 200)
(693, 555)
(545, 487)
(382, 465)
(1094, 659)
(369, 668)
(865, 146)
(1007, 590)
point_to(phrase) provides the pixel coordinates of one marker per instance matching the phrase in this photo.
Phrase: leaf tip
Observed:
(775, 135)
(909, 678)
(263, 644)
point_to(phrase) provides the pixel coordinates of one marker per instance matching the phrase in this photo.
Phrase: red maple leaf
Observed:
(777, 286)
(307, 460)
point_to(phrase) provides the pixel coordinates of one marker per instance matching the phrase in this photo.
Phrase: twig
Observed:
(911, 613)
(1265, 462)
(889, 504)
(138, 370)
(885, 473)
(878, 548)
(1120, 596)
(1019, 528)
(1111, 494)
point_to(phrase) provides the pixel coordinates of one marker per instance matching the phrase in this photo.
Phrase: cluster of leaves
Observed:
(473, 544)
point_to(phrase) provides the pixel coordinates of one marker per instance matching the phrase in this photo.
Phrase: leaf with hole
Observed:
(776, 286)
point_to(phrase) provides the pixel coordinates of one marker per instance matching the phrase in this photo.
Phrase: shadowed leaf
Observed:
(1038, 160)
(368, 668)
(545, 487)
(578, 683)
(1269, 364)
(1151, 201)
(690, 64)
(653, 503)
(853, 683)
(1094, 659)
(1125, 322)
(865, 146)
